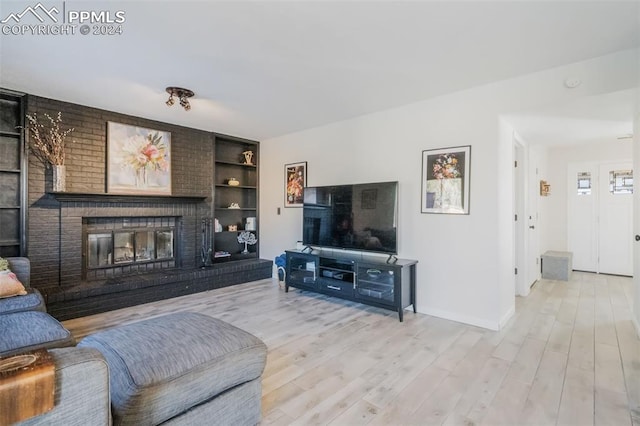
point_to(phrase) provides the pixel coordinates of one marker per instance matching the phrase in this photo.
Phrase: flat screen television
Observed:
(352, 217)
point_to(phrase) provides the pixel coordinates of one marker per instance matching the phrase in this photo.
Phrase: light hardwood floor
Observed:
(570, 356)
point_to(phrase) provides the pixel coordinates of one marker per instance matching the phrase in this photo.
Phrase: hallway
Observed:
(580, 340)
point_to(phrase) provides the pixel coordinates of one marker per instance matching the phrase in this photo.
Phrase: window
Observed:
(584, 183)
(621, 182)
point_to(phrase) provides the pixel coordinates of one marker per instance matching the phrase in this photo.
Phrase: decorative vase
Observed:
(233, 182)
(141, 177)
(250, 224)
(59, 178)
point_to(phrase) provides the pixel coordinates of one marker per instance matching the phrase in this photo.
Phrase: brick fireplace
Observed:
(107, 221)
(137, 261)
(164, 233)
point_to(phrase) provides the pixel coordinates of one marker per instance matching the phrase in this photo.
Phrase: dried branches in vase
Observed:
(47, 143)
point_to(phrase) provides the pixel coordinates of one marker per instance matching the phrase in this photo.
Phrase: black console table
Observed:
(366, 279)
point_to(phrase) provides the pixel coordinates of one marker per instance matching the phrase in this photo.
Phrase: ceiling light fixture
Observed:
(183, 96)
(572, 82)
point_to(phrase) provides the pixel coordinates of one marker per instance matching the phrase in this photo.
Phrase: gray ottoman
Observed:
(557, 265)
(183, 368)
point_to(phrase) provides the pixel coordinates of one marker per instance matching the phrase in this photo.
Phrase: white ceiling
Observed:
(266, 68)
(592, 119)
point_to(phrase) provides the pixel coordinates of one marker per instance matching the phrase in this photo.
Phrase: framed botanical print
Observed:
(445, 180)
(295, 182)
(138, 160)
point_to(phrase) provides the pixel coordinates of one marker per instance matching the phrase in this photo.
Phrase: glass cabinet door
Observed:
(375, 284)
(302, 270)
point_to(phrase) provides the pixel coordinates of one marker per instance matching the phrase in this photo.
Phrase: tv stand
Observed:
(386, 283)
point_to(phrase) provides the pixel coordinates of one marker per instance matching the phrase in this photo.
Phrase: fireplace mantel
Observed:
(124, 198)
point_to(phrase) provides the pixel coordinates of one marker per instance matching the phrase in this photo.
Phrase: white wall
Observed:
(539, 161)
(553, 209)
(465, 269)
(505, 253)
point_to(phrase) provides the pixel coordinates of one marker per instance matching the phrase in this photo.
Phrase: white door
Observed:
(615, 227)
(600, 217)
(582, 212)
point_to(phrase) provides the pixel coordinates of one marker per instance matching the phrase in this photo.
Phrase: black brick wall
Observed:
(54, 243)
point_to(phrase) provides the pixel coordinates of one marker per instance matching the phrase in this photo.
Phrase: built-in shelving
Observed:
(231, 162)
(13, 206)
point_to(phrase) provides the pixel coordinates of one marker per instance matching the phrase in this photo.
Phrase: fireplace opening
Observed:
(118, 246)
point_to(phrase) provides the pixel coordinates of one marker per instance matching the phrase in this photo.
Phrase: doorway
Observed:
(600, 217)
(525, 215)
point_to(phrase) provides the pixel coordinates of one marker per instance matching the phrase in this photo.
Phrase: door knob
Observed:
(533, 227)
(637, 237)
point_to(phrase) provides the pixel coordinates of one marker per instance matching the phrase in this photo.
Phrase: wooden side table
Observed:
(27, 385)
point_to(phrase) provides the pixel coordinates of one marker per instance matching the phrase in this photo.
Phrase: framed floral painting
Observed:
(295, 179)
(445, 180)
(138, 160)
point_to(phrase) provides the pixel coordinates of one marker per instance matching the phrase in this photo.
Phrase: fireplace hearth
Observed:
(124, 250)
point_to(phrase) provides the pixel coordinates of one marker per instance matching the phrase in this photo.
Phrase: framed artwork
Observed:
(295, 179)
(369, 199)
(445, 180)
(138, 160)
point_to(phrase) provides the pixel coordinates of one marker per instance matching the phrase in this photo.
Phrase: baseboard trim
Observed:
(452, 316)
(507, 316)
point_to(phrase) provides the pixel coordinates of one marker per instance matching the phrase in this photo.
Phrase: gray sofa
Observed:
(24, 322)
(184, 368)
(33, 300)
